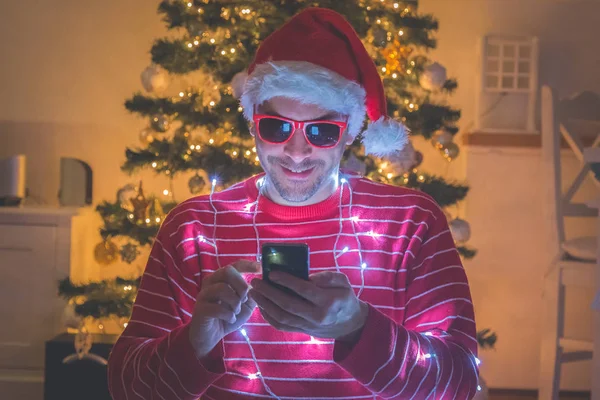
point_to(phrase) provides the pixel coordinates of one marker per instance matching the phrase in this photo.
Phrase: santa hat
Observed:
(318, 58)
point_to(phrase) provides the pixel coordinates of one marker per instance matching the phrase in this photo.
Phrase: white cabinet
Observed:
(38, 246)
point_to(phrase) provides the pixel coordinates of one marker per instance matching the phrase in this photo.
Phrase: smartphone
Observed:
(292, 258)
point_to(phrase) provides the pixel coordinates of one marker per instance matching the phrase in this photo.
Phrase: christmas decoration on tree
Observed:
(196, 125)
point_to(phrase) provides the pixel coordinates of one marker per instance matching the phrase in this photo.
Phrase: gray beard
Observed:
(297, 192)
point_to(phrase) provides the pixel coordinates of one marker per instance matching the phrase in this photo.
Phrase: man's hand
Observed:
(222, 306)
(327, 306)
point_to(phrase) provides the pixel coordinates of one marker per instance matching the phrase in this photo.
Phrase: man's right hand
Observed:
(222, 305)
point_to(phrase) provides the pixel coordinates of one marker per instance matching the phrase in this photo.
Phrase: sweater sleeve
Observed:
(431, 354)
(153, 358)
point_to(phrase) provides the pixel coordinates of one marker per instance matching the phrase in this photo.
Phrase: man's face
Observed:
(297, 171)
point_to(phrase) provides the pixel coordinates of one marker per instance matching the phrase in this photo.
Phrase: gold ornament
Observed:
(106, 252)
(160, 123)
(196, 184)
(450, 151)
(441, 138)
(140, 206)
(156, 213)
(146, 136)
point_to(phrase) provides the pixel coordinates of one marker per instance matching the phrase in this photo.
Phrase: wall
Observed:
(69, 65)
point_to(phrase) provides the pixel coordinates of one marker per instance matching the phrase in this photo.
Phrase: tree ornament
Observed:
(404, 160)
(154, 79)
(418, 159)
(160, 123)
(441, 138)
(433, 77)
(353, 163)
(140, 206)
(379, 36)
(125, 194)
(106, 252)
(196, 184)
(450, 151)
(156, 212)
(147, 136)
(238, 82)
(129, 252)
(460, 229)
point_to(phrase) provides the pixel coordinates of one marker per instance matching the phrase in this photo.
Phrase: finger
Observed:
(247, 267)
(289, 302)
(232, 277)
(306, 289)
(221, 293)
(282, 316)
(217, 311)
(330, 279)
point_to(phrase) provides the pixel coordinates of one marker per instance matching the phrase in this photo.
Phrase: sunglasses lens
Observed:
(323, 134)
(275, 130)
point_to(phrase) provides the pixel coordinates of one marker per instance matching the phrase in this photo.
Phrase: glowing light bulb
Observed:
(256, 158)
(212, 41)
(428, 334)
(390, 175)
(356, 218)
(478, 388)
(247, 207)
(477, 361)
(394, 75)
(212, 103)
(100, 326)
(223, 52)
(240, 109)
(154, 164)
(383, 69)
(426, 356)
(214, 182)
(254, 149)
(232, 50)
(234, 153)
(396, 5)
(373, 234)
(400, 33)
(411, 105)
(157, 219)
(343, 180)
(125, 324)
(196, 42)
(147, 220)
(190, 45)
(189, 4)
(248, 152)
(181, 94)
(363, 265)
(211, 141)
(166, 192)
(198, 147)
(345, 249)
(244, 333)
(253, 376)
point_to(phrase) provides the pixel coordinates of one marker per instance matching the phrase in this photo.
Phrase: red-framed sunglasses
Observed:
(278, 130)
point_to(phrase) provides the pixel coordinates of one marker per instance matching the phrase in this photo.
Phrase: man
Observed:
(387, 311)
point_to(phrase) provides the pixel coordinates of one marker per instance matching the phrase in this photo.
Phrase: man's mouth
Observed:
(297, 172)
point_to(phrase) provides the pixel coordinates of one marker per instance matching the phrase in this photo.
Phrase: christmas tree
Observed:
(200, 127)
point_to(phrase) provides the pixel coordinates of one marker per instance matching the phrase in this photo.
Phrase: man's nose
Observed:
(297, 148)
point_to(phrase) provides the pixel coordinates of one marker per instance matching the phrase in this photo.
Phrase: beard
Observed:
(293, 190)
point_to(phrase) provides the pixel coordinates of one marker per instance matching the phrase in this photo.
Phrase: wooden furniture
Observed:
(38, 246)
(575, 261)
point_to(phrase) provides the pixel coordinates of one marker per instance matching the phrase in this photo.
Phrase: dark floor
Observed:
(507, 395)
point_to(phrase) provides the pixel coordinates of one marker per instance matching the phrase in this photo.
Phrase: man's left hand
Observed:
(327, 306)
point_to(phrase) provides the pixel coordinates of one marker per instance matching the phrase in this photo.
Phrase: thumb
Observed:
(330, 279)
(247, 266)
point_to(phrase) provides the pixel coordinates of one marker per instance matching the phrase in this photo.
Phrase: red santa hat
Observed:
(318, 58)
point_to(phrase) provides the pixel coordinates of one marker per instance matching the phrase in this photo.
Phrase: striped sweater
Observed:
(397, 251)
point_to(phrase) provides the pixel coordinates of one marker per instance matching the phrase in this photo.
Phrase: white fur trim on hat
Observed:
(308, 83)
(384, 137)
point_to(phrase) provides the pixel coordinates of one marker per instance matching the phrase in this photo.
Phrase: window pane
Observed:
(491, 81)
(508, 82)
(493, 50)
(509, 51)
(508, 67)
(523, 82)
(524, 67)
(493, 66)
(524, 51)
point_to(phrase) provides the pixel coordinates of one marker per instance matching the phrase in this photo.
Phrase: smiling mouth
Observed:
(297, 173)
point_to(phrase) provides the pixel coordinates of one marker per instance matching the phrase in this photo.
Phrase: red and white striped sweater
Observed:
(394, 245)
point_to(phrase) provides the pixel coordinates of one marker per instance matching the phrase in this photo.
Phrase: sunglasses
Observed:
(278, 130)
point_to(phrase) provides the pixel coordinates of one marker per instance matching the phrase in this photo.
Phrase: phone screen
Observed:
(291, 258)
